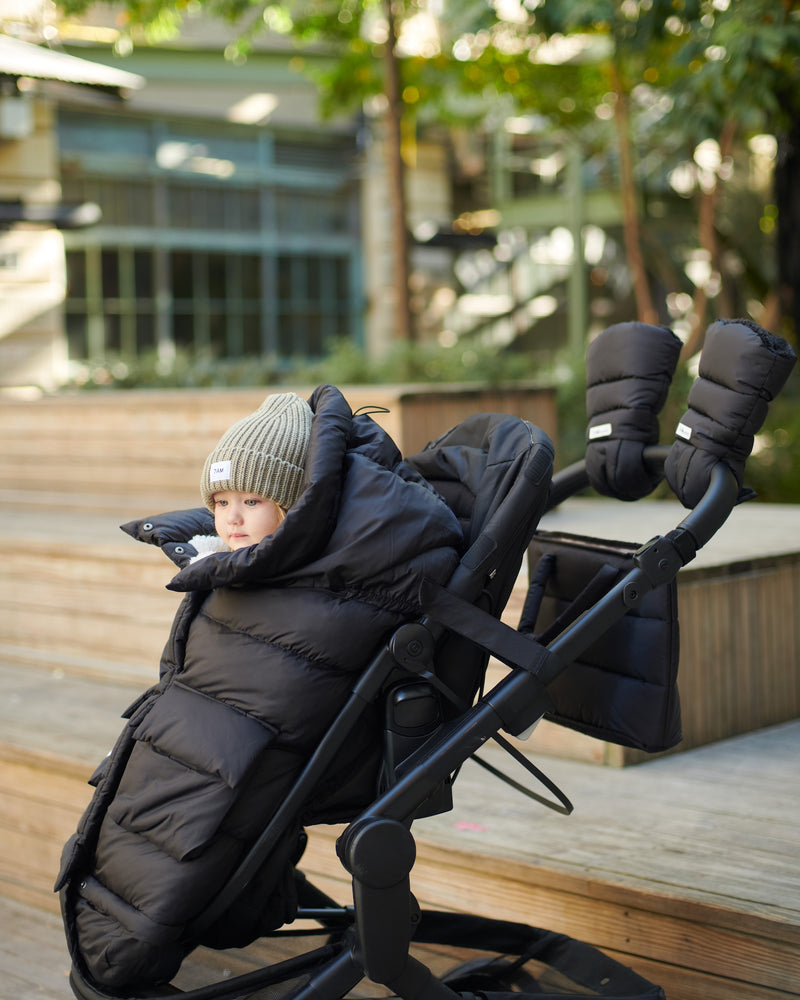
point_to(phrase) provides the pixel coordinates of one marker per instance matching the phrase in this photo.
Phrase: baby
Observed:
(255, 474)
(323, 538)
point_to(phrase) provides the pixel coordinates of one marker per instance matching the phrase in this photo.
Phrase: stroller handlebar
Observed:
(717, 502)
(701, 523)
(574, 478)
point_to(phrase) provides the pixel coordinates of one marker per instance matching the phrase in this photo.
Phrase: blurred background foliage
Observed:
(773, 470)
(685, 98)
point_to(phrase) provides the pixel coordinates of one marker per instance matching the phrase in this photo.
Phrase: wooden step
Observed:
(75, 587)
(34, 963)
(685, 867)
(78, 590)
(100, 600)
(55, 729)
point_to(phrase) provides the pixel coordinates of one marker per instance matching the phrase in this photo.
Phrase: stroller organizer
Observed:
(596, 649)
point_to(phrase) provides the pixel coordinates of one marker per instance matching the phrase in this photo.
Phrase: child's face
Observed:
(243, 519)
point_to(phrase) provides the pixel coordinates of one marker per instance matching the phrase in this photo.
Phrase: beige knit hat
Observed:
(264, 453)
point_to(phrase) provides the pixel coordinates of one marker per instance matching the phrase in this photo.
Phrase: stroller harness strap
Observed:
(516, 709)
(486, 631)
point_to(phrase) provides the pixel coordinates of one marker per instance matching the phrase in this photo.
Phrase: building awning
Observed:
(23, 59)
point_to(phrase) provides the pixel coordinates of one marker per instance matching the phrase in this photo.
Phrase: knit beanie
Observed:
(263, 453)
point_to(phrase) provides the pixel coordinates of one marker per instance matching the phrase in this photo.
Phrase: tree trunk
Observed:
(645, 310)
(397, 188)
(787, 198)
(707, 238)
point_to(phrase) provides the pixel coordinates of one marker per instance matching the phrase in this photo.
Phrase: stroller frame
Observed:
(372, 938)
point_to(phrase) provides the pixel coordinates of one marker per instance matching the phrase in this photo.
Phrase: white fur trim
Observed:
(206, 545)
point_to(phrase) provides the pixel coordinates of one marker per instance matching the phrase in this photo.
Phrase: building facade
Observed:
(231, 222)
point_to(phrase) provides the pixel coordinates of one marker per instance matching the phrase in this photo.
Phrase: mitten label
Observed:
(600, 431)
(684, 431)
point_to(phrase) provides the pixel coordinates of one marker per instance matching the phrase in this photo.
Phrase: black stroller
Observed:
(429, 675)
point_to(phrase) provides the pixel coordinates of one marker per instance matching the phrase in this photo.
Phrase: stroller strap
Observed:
(562, 805)
(487, 632)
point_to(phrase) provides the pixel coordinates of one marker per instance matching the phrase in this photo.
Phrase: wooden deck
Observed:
(686, 868)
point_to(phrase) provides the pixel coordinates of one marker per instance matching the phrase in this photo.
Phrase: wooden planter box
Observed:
(144, 450)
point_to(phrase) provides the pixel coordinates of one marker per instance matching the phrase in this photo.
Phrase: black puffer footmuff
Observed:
(264, 650)
(742, 368)
(629, 368)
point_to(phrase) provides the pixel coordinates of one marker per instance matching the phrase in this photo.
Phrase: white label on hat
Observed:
(684, 431)
(600, 431)
(220, 471)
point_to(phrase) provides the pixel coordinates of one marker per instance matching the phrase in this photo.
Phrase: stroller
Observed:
(428, 677)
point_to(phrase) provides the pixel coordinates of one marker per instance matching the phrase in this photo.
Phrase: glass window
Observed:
(145, 332)
(218, 334)
(251, 336)
(217, 276)
(187, 147)
(76, 274)
(326, 156)
(105, 134)
(113, 333)
(109, 263)
(136, 206)
(251, 276)
(182, 275)
(207, 193)
(143, 275)
(246, 215)
(314, 341)
(286, 338)
(183, 331)
(182, 206)
(77, 339)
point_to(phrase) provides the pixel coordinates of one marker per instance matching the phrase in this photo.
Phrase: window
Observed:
(211, 262)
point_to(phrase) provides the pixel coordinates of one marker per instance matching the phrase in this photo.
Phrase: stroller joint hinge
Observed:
(659, 560)
(412, 645)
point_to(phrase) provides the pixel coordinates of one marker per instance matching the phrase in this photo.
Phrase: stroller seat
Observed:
(495, 472)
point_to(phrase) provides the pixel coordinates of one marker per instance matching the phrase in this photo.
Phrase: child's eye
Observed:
(220, 503)
(252, 501)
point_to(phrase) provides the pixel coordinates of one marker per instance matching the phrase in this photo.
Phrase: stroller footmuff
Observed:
(388, 618)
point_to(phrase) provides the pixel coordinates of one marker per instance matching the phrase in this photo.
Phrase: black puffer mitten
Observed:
(742, 368)
(629, 367)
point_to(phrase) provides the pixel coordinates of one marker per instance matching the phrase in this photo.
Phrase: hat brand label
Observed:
(220, 471)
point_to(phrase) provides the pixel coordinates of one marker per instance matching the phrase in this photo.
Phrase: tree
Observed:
(638, 39)
(740, 77)
(675, 76)
(728, 70)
